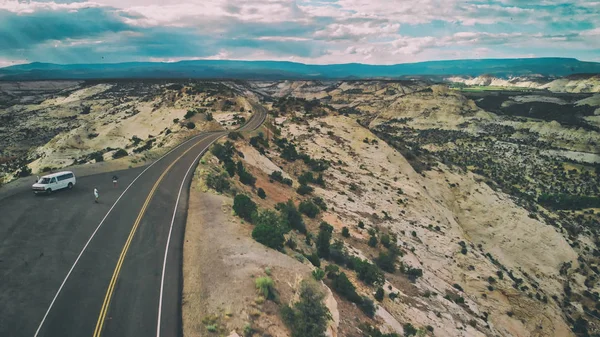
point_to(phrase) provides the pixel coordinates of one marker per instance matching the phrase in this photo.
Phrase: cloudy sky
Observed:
(309, 31)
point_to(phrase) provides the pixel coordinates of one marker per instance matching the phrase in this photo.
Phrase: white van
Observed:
(54, 181)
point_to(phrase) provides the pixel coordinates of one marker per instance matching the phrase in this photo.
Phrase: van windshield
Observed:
(44, 181)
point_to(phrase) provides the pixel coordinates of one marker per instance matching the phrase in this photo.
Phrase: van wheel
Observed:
(49, 191)
(70, 186)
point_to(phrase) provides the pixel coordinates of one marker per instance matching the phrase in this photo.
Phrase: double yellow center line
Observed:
(113, 280)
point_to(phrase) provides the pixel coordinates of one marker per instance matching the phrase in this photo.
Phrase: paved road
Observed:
(70, 267)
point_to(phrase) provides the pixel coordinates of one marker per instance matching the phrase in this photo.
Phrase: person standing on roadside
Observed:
(115, 179)
(96, 195)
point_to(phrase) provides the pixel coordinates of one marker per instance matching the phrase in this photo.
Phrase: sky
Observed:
(307, 31)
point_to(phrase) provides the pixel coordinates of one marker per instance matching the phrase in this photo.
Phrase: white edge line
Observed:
(97, 228)
(162, 281)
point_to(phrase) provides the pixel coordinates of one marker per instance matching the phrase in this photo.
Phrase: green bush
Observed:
(320, 202)
(367, 272)
(244, 207)
(234, 135)
(367, 306)
(261, 193)
(120, 153)
(224, 152)
(309, 209)
(304, 190)
(209, 116)
(97, 156)
(373, 241)
(412, 273)
(218, 182)
(305, 178)
(309, 316)
(345, 232)
(276, 176)
(318, 274)
(323, 240)
(246, 177)
(229, 167)
(342, 285)
(409, 330)
(379, 294)
(292, 216)
(265, 287)
(25, 171)
(361, 224)
(189, 114)
(268, 229)
(190, 125)
(313, 259)
(386, 261)
(385, 240)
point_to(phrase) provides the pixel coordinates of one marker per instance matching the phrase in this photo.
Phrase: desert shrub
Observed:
(323, 239)
(361, 224)
(409, 330)
(277, 176)
(97, 156)
(342, 285)
(265, 287)
(218, 182)
(292, 216)
(309, 209)
(25, 171)
(457, 286)
(306, 178)
(234, 135)
(209, 116)
(93, 135)
(224, 152)
(244, 207)
(337, 253)
(246, 177)
(320, 202)
(367, 306)
(318, 274)
(120, 153)
(370, 331)
(190, 125)
(385, 240)
(313, 258)
(229, 167)
(47, 169)
(386, 261)
(175, 120)
(373, 241)
(304, 189)
(309, 316)
(367, 272)
(85, 110)
(189, 114)
(379, 294)
(261, 193)
(268, 229)
(345, 232)
(289, 152)
(412, 273)
(500, 274)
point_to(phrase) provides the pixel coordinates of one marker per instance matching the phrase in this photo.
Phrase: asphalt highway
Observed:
(71, 267)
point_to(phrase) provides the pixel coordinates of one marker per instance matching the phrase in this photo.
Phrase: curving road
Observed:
(70, 267)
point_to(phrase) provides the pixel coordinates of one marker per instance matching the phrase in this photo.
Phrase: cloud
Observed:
(313, 31)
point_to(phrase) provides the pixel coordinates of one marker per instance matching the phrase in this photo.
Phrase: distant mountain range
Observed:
(276, 70)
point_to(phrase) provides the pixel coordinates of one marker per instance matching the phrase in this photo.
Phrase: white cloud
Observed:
(357, 32)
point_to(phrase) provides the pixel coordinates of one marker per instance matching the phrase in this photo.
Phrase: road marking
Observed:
(162, 281)
(100, 225)
(111, 286)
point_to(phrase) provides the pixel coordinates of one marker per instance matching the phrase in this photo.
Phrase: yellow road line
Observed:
(113, 280)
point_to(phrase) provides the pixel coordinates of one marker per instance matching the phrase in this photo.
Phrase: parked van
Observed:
(54, 181)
